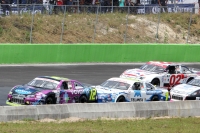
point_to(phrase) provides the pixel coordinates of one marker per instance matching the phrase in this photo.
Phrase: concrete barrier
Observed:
(21, 113)
(96, 110)
(3, 115)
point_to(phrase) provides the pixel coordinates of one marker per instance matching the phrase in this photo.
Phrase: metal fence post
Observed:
(158, 26)
(33, 13)
(126, 24)
(63, 23)
(189, 26)
(95, 24)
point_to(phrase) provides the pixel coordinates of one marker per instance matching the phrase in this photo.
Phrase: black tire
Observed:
(121, 99)
(154, 98)
(155, 82)
(83, 99)
(49, 100)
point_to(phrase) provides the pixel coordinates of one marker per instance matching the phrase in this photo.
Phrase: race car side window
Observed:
(64, 85)
(137, 86)
(78, 85)
(185, 70)
(149, 86)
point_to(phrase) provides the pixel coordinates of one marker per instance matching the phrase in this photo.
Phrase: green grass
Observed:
(172, 125)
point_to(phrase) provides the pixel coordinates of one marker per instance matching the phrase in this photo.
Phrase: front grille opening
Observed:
(177, 97)
(19, 101)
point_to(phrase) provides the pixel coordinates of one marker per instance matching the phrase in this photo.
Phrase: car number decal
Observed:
(93, 93)
(175, 79)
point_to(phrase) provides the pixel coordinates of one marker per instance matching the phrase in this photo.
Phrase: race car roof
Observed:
(159, 63)
(54, 78)
(125, 80)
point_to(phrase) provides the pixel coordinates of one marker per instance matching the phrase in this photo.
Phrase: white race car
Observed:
(125, 90)
(163, 74)
(189, 91)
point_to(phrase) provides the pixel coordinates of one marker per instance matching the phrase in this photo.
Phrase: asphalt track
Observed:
(94, 74)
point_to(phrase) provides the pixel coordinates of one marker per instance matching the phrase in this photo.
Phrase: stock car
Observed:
(124, 90)
(162, 74)
(188, 91)
(46, 90)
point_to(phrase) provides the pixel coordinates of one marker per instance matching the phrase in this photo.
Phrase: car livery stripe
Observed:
(13, 104)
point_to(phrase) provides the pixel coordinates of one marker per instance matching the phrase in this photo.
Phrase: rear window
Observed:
(115, 85)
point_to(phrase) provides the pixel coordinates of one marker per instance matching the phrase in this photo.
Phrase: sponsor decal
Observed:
(22, 91)
(138, 99)
(153, 92)
(137, 93)
(77, 91)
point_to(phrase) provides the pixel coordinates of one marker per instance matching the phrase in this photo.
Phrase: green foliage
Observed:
(133, 125)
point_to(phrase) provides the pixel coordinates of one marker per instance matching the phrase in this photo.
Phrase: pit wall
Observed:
(96, 110)
(77, 53)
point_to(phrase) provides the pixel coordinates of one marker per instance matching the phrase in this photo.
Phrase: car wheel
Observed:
(121, 99)
(83, 99)
(49, 100)
(155, 98)
(155, 82)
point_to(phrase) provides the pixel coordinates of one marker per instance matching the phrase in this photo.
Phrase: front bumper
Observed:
(25, 101)
(13, 104)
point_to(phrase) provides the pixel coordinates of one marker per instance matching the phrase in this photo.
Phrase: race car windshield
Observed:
(115, 85)
(194, 82)
(152, 68)
(42, 84)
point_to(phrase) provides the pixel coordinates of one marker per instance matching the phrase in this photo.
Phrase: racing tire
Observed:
(121, 99)
(154, 98)
(155, 82)
(49, 100)
(83, 99)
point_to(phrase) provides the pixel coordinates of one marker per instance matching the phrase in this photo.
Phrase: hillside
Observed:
(102, 28)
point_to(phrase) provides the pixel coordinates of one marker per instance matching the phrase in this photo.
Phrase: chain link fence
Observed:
(40, 23)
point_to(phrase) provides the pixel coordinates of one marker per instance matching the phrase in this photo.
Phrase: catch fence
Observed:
(102, 24)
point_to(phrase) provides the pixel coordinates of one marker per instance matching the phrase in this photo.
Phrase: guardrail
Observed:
(96, 53)
(108, 110)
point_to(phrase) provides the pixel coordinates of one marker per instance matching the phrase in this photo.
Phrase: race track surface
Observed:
(88, 73)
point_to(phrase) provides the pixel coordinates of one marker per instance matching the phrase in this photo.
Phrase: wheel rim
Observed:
(83, 99)
(49, 100)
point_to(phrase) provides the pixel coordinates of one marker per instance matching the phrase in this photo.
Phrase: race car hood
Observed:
(184, 89)
(26, 90)
(136, 73)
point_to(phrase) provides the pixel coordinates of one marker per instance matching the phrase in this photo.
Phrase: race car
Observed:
(162, 74)
(124, 90)
(46, 90)
(188, 91)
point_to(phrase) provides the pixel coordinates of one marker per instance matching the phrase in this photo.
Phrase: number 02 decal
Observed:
(175, 79)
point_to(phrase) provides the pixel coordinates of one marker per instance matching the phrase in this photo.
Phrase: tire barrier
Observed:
(106, 110)
(79, 53)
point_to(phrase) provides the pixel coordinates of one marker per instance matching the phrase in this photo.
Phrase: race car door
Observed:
(70, 91)
(138, 94)
(173, 77)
